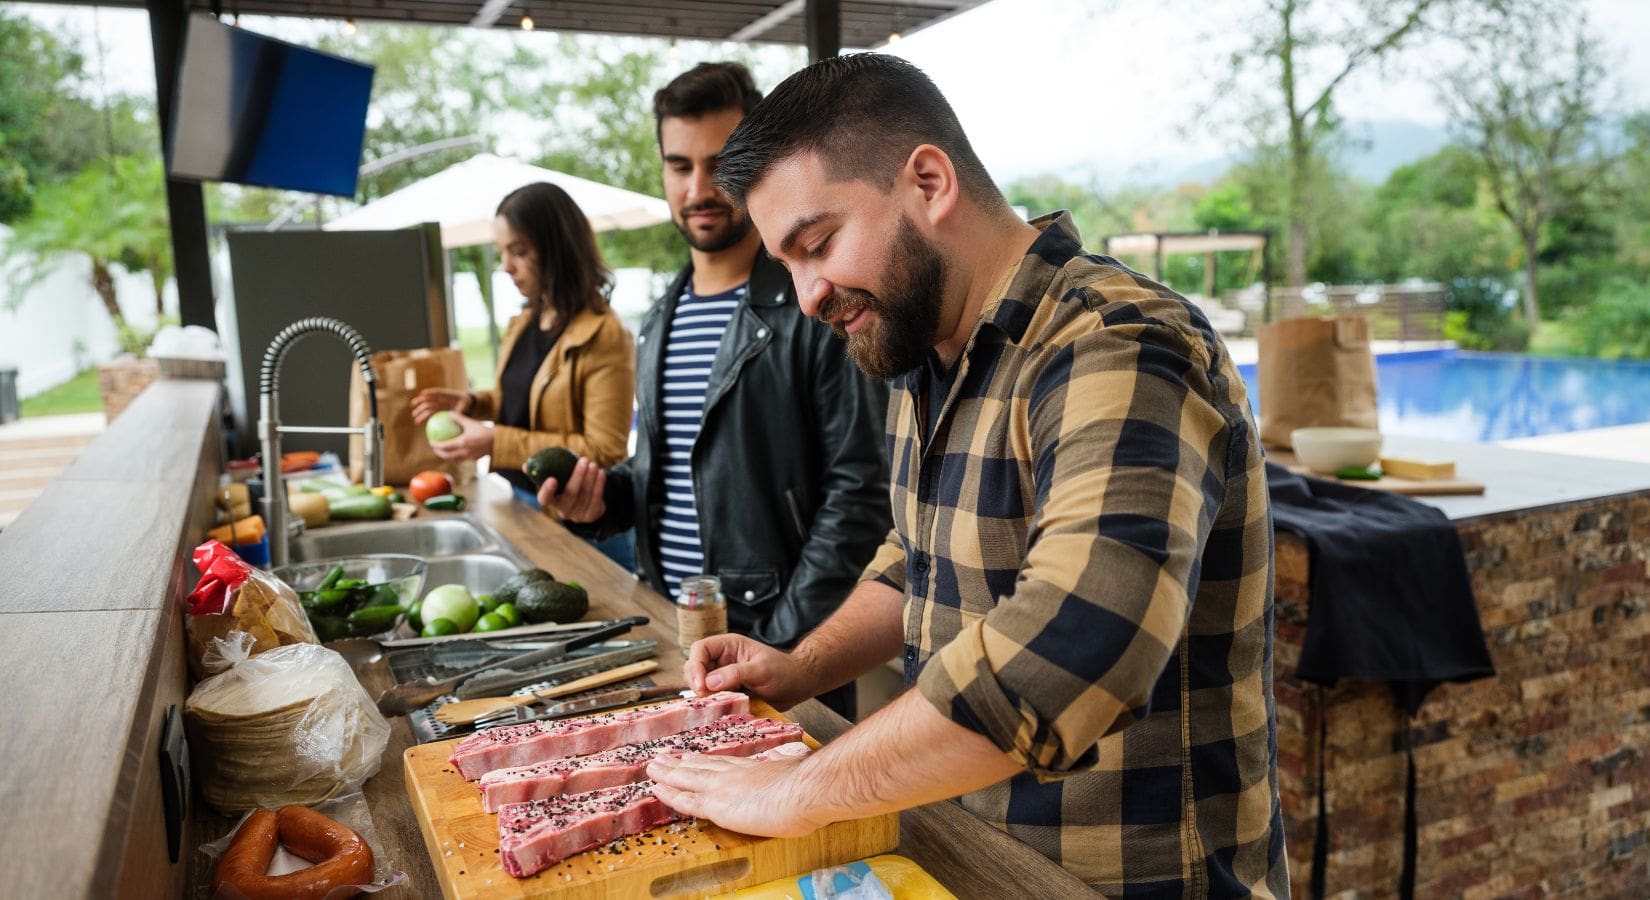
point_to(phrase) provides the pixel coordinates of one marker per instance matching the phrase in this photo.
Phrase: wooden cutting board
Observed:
(1408, 486)
(698, 859)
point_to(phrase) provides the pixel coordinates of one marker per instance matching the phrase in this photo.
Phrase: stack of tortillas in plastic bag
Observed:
(289, 725)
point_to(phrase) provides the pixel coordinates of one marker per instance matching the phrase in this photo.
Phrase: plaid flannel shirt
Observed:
(1085, 550)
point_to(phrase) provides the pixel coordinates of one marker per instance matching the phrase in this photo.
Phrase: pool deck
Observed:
(1630, 443)
(32, 453)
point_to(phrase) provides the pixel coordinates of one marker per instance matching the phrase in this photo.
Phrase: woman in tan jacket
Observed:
(567, 367)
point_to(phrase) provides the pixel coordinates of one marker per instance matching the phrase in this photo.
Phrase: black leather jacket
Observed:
(789, 475)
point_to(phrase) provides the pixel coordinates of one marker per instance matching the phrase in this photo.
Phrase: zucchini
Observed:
(361, 506)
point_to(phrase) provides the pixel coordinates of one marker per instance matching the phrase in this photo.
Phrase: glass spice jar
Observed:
(701, 610)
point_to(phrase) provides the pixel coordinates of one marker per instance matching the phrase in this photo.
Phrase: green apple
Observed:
(453, 603)
(442, 427)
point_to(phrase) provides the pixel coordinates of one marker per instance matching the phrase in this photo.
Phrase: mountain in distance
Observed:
(1372, 149)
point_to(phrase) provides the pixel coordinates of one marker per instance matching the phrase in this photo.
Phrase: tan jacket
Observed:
(581, 397)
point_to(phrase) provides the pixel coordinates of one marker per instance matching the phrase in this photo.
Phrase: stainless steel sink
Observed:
(482, 573)
(429, 538)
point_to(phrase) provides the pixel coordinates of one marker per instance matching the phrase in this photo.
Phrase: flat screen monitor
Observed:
(254, 110)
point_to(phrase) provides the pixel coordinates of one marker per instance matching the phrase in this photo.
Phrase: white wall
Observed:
(59, 326)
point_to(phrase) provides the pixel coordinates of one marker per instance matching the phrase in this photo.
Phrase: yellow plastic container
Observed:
(904, 879)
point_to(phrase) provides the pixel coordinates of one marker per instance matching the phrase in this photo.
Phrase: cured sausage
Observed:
(339, 856)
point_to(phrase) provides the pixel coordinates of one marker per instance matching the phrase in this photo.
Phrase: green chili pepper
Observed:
(327, 599)
(331, 579)
(1358, 473)
(375, 617)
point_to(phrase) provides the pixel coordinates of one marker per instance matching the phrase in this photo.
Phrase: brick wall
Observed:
(1532, 783)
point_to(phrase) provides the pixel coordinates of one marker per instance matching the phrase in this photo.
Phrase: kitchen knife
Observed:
(610, 699)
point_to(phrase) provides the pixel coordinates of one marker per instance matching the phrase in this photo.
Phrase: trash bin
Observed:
(9, 411)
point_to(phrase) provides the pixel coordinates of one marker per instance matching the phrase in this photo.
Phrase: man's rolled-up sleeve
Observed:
(888, 565)
(1128, 458)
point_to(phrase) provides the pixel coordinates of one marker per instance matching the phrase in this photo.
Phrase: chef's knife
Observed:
(610, 699)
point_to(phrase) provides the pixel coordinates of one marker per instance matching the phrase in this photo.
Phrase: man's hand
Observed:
(582, 501)
(432, 400)
(729, 662)
(474, 442)
(763, 798)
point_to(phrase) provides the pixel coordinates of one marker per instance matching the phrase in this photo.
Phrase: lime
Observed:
(491, 622)
(412, 615)
(507, 612)
(440, 628)
(487, 602)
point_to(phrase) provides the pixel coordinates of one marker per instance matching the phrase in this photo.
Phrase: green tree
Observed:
(49, 129)
(1527, 106)
(1304, 51)
(113, 213)
(1435, 219)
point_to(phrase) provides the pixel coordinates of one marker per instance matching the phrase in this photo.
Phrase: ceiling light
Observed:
(893, 37)
(526, 23)
(349, 26)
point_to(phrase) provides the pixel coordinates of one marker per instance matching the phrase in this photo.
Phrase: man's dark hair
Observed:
(704, 89)
(863, 114)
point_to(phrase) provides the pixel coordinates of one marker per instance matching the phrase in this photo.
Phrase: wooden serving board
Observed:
(1408, 486)
(697, 859)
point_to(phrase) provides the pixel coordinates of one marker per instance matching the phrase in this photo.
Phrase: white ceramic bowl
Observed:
(1329, 449)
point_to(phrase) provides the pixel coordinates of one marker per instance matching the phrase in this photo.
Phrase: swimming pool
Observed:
(1482, 397)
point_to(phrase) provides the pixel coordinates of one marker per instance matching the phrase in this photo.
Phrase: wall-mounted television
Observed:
(255, 110)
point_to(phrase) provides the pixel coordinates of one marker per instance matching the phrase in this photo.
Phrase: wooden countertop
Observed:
(964, 853)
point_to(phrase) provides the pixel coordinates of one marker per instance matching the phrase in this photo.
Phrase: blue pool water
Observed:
(1481, 397)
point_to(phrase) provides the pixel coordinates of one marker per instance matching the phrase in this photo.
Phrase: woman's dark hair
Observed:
(863, 114)
(704, 89)
(573, 276)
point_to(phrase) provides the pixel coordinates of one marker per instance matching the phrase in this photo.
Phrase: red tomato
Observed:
(429, 484)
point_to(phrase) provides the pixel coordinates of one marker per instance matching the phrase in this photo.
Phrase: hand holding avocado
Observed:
(570, 487)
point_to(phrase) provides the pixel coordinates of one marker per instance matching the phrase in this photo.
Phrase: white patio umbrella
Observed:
(463, 198)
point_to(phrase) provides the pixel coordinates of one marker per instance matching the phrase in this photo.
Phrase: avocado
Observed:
(506, 592)
(543, 600)
(551, 462)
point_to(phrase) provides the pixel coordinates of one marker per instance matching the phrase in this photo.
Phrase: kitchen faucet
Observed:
(270, 429)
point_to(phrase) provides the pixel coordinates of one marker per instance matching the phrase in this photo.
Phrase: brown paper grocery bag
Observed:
(1315, 372)
(401, 375)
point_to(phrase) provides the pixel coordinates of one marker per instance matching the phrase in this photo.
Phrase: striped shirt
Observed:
(1086, 554)
(690, 349)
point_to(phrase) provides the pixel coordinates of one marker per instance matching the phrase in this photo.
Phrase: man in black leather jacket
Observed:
(789, 487)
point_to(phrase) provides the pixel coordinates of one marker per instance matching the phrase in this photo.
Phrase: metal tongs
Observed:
(410, 695)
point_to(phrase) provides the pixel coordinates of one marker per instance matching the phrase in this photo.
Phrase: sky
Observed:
(1101, 90)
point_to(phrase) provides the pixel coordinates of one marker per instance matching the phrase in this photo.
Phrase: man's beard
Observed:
(737, 226)
(907, 312)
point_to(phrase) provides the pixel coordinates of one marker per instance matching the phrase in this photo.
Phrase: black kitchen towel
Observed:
(1391, 599)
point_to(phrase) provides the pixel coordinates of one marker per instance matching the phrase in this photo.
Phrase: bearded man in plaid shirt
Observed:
(1079, 577)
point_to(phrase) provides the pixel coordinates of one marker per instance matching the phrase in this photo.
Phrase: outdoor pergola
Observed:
(1205, 243)
(824, 26)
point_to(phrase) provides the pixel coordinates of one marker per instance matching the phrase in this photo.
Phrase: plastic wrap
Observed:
(232, 596)
(350, 810)
(290, 725)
